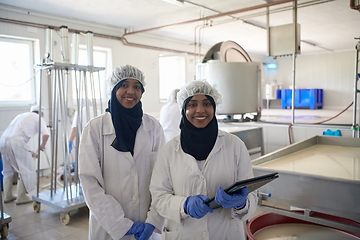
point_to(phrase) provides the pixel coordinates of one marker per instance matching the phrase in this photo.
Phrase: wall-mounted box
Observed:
(283, 40)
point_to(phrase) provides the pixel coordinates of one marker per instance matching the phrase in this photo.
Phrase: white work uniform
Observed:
(170, 117)
(84, 119)
(16, 153)
(116, 184)
(177, 175)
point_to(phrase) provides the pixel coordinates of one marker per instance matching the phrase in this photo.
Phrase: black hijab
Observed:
(126, 122)
(198, 142)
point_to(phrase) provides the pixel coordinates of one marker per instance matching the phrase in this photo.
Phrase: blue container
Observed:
(304, 98)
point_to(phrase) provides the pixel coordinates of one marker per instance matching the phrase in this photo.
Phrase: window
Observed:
(172, 74)
(102, 58)
(17, 81)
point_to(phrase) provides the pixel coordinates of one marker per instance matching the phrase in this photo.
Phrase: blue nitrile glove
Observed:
(237, 200)
(196, 207)
(136, 228)
(146, 234)
(70, 146)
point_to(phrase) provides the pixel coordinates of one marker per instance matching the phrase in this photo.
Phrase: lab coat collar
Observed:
(216, 148)
(140, 140)
(108, 127)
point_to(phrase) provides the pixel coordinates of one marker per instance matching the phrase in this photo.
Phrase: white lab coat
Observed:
(15, 151)
(116, 184)
(177, 175)
(170, 116)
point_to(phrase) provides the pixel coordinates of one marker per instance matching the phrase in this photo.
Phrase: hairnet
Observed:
(125, 72)
(35, 108)
(173, 95)
(197, 87)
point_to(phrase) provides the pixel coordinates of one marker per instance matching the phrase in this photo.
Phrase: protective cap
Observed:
(124, 72)
(173, 95)
(197, 87)
(35, 108)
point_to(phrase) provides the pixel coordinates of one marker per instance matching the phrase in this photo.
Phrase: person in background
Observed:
(170, 116)
(17, 155)
(117, 153)
(198, 164)
(83, 121)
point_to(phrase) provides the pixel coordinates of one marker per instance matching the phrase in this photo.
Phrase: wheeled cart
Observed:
(4, 221)
(64, 200)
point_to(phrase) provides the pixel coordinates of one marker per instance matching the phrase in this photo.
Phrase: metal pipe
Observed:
(49, 44)
(90, 48)
(215, 16)
(64, 44)
(294, 62)
(355, 126)
(75, 48)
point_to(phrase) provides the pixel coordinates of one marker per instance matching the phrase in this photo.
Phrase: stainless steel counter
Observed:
(328, 184)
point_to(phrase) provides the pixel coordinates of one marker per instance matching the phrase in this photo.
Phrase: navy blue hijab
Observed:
(126, 122)
(198, 142)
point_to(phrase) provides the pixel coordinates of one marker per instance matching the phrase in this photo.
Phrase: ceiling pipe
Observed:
(214, 16)
(122, 39)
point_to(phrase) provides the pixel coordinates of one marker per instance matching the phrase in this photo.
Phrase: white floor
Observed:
(26, 224)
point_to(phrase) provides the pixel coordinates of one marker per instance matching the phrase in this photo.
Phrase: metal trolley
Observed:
(4, 221)
(66, 196)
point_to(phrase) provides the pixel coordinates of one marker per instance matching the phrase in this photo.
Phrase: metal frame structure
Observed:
(313, 193)
(356, 125)
(69, 196)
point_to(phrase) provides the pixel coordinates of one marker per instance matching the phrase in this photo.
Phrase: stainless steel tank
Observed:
(228, 68)
(238, 82)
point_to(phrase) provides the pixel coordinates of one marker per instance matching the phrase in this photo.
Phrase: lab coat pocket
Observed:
(235, 229)
(170, 235)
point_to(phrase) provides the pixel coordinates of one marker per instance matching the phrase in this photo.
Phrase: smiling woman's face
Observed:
(129, 93)
(199, 111)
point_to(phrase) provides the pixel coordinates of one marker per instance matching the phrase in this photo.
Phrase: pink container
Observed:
(269, 219)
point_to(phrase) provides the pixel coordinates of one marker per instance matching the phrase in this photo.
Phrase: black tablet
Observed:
(252, 184)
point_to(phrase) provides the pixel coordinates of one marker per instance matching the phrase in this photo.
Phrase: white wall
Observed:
(334, 72)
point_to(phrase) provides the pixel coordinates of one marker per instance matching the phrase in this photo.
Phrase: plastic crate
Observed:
(304, 98)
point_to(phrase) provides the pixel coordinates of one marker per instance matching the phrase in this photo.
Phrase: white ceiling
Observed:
(329, 25)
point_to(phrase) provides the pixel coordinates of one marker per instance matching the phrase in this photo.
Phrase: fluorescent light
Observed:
(271, 65)
(175, 2)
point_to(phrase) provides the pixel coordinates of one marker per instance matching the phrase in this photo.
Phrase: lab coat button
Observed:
(133, 173)
(134, 199)
(202, 177)
(205, 234)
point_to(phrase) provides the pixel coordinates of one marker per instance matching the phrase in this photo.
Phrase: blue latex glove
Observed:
(195, 206)
(136, 228)
(237, 200)
(70, 146)
(146, 234)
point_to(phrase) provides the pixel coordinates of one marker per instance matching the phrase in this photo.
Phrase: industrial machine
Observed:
(228, 68)
(317, 175)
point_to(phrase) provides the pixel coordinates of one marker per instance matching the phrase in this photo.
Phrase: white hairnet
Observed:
(197, 87)
(125, 72)
(35, 108)
(173, 95)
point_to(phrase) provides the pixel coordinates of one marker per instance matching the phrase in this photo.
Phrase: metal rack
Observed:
(68, 196)
(356, 125)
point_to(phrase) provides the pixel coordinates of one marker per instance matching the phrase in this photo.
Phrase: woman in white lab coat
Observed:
(198, 165)
(116, 156)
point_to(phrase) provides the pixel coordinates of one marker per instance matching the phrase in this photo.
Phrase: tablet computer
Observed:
(252, 184)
